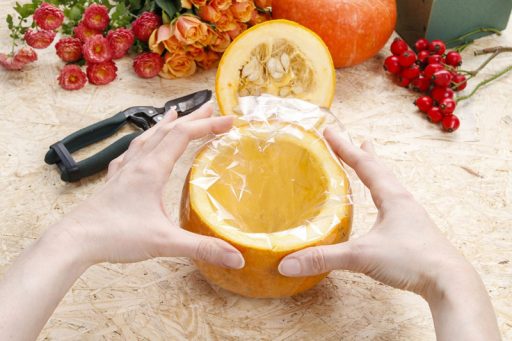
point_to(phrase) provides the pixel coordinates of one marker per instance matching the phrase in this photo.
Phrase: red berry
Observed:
(431, 69)
(102, 73)
(447, 106)
(423, 56)
(437, 47)
(69, 49)
(398, 46)
(407, 58)
(144, 25)
(434, 115)
(96, 17)
(9, 63)
(420, 84)
(438, 93)
(403, 82)
(97, 50)
(48, 17)
(450, 123)
(40, 39)
(459, 82)
(83, 32)
(120, 41)
(421, 45)
(411, 72)
(148, 65)
(25, 55)
(391, 65)
(454, 58)
(442, 78)
(435, 59)
(72, 77)
(424, 103)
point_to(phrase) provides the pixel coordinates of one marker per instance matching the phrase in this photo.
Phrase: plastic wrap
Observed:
(270, 186)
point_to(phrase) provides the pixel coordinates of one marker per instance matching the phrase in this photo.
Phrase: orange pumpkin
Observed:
(354, 30)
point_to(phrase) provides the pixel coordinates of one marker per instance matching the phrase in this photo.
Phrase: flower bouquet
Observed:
(168, 38)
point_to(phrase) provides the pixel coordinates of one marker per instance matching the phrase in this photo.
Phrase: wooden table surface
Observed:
(464, 180)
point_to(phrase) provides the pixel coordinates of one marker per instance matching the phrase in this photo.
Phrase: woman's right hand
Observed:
(404, 249)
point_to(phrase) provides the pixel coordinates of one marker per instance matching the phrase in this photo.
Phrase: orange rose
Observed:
(226, 22)
(263, 3)
(236, 32)
(198, 3)
(220, 5)
(189, 29)
(172, 45)
(157, 38)
(208, 13)
(178, 65)
(221, 43)
(196, 52)
(210, 60)
(242, 11)
(209, 38)
(186, 4)
(258, 18)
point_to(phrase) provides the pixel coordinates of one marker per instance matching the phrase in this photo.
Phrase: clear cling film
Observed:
(270, 186)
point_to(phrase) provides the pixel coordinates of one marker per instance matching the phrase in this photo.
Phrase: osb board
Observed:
(464, 180)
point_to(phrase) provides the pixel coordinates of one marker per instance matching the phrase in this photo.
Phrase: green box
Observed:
(449, 19)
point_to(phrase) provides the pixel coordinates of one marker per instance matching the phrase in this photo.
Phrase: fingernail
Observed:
(232, 260)
(290, 267)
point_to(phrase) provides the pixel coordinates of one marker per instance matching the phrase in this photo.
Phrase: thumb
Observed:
(210, 250)
(320, 259)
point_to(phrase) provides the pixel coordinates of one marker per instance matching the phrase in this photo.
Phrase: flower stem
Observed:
(485, 82)
(463, 37)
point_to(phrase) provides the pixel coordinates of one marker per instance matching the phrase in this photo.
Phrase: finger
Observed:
(322, 259)
(380, 181)
(205, 111)
(137, 145)
(369, 147)
(208, 249)
(177, 139)
(114, 166)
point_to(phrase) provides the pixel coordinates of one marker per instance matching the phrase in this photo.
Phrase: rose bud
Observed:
(48, 17)
(208, 13)
(178, 65)
(40, 39)
(69, 49)
(72, 77)
(242, 11)
(189, 29)
(221, 43)
(226, 22)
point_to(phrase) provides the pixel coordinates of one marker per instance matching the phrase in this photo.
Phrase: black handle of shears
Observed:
(71, 171)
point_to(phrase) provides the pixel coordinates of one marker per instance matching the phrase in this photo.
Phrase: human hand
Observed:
(404, 249)
(126, 221)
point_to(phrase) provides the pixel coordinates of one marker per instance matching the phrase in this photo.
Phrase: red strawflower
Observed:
(96, 17)
(97, 50)
(102, 73)
(25, 55)
(48, 17)
(72, 77)
(148, 65)
(9, 63)
(120, 41)
(83, 32)
(69, 49)
(144, 25)
(40, 39)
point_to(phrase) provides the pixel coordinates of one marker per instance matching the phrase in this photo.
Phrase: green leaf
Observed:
(9, 20)
(170, 7)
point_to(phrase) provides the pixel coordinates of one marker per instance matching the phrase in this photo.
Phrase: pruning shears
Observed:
(143, 117)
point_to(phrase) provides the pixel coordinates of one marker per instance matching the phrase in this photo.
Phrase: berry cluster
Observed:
(432, 71)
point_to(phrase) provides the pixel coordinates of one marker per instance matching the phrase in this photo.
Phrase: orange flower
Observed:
(263, 3)
(190, 29)
(221, 43)
(178, 65)
(208, 13)
(239, 29)
(198, 3)
(210, 60)
(209, 38)
(173, 45)
(186, 4)
(226, 22)
(157, 38)
(196, 52)
(242, 11)
(258, 18)
(220, 5)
